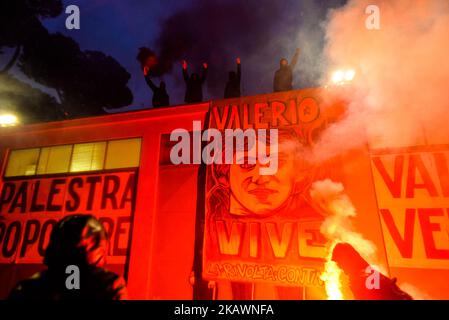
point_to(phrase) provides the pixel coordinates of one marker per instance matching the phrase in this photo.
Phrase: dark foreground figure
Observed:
(350, 261)
(78, 240)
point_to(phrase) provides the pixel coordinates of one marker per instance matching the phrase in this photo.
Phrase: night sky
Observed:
(260, 32)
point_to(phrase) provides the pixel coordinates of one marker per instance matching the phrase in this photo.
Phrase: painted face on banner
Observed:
(264, 195)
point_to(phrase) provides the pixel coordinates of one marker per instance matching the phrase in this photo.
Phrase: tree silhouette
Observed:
(19, 22)
(32, 104)
(86, 82)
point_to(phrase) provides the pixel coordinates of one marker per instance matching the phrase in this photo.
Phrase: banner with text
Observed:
(265, 228)
(412, 187)
(29, 208)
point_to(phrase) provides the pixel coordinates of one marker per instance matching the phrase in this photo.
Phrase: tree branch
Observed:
(65, 113)
(13, 60)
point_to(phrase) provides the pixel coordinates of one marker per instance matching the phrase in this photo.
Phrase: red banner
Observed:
(29, 208)
(265, 228)
(412, 186)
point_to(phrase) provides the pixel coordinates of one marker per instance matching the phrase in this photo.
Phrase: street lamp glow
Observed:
(8, 120)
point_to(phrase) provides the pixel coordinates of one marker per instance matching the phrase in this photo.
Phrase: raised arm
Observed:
(150, 83)
(239, 69)
(184, 71)
(295, 58)
(204, 74)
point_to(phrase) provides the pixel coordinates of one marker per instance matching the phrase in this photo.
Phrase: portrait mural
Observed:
(265, 227)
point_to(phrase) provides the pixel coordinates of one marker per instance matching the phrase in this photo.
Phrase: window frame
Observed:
(68, 173)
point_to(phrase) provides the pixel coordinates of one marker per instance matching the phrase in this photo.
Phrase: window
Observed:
(54, 159)
(88, 157)
(22, 162)
(93, 156)
(123, 154)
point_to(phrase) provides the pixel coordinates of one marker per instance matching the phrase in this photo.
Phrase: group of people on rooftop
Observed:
(283, 80)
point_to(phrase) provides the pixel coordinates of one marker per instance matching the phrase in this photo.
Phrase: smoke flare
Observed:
(337, 227)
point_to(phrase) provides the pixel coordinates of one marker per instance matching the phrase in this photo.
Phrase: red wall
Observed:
(163, 232)
(160, 257)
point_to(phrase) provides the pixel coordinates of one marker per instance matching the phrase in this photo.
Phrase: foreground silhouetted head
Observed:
(79, 240)
(355, 267)
(349, 259)
(162, 85)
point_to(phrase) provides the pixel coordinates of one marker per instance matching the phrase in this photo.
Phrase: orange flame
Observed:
(332, 277)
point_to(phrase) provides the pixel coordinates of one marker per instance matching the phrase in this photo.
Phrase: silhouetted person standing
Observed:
(160, 95)
(232, 89)
(76, 240)
(283, 78)
(148, 61)
(194, 83)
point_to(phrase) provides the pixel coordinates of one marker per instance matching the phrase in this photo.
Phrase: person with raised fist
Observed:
(232, 89)
(194, 83)
(283, 77)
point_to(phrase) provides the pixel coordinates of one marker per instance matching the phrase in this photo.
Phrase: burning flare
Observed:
(337, 227)
(332, 277)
